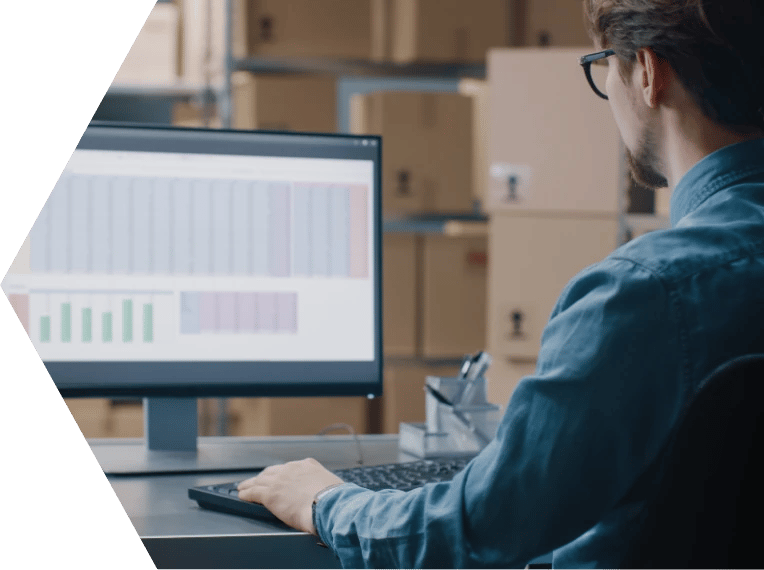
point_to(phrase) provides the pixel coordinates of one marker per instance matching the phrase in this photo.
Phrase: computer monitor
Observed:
(173, 263)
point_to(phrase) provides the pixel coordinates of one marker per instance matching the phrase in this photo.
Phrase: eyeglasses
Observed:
(598, 58)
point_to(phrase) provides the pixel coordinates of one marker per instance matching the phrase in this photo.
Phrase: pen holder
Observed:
(450, 387)
(460, 430)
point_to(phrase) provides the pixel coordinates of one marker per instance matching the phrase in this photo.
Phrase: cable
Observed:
(348, 428)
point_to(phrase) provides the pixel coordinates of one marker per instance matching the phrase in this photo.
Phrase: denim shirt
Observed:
(625, 348)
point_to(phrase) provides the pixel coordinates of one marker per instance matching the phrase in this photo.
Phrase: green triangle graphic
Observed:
(58, 60)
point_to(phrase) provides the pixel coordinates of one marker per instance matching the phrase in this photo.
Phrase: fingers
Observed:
(246, 484)
(252, 494)
(259, 477)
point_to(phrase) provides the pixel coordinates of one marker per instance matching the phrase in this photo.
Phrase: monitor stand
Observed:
(171, 445)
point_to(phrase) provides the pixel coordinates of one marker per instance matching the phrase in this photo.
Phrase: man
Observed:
(629, 339)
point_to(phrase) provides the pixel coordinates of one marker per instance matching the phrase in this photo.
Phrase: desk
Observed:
(179, 534)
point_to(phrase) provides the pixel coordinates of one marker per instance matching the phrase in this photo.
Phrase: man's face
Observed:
(637, 126)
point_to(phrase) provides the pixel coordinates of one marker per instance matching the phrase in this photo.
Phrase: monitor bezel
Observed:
(189, 379)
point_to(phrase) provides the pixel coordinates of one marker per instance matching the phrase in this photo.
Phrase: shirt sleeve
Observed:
(573, 439)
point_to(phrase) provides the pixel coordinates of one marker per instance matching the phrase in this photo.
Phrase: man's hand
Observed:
(287, 491)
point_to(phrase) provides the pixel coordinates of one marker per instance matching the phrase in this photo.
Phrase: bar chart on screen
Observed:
(117, 319)
(136, 258)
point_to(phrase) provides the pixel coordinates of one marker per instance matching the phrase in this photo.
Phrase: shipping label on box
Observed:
(553, 144)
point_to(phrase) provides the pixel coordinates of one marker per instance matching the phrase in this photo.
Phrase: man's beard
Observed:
(643, 164)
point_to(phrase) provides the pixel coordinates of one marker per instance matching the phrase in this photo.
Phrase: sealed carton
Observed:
(340, 29)
(446, 30)
(399, 287)
(294, 416)
(553, 144)
(427, 149)
(453, 296)
(305, 103)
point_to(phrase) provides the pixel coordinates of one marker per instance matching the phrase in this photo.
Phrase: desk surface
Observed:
(179, 534)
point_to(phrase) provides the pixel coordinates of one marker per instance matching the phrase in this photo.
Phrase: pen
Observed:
(466, 361)
(438, 396)
(478, 366)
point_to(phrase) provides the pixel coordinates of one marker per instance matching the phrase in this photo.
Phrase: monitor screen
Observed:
(192, 262)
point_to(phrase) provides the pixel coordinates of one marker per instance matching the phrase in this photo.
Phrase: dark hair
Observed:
(715, 47)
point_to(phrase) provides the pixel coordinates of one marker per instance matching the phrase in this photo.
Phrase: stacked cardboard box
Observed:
(555, 177)
(193, 114)
(662, 202)
(100, 417)
(399, 288)
(294, 416)
(555, 23)
(435, 295)
(427, 149)
(306, 103)
(284, 103)
(403, 393)
(444, 30)
(402, 31)
(477, 90)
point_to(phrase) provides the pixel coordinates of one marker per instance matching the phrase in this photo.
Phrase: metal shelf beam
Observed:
(358, 68)
(179, 90)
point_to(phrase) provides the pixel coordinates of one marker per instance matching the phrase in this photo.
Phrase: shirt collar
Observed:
(714, 172)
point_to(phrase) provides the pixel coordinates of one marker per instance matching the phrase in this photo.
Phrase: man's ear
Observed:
(654, 76)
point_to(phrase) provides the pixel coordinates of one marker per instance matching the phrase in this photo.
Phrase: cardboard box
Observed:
(339, 29)
(555, 23)
(503, 377)
(477, 90)
(154, 57)
(446, 30)
(294, 416)
(402, 31)
(662, 202)
(553, 144)
(532, 259)
(126, 418)
(399, 287)
(403, 392)
(190, 114)
(427, 149)
(91, 415)
(453, 296)
(284, 103)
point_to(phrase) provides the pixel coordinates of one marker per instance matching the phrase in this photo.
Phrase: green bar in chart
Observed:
(127, 320)
(148, 322)
(87, 325)
(106, 326)
(44, 329)
(66, 322)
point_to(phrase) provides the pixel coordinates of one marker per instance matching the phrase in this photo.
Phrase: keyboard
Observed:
(401, 476)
